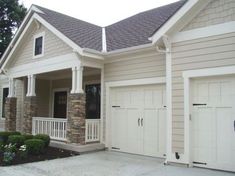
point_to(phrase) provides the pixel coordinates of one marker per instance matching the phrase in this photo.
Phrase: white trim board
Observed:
(182, 12)
(134, 82)
(187, 75)
(43, 66)
(209, 31)
(19, 31)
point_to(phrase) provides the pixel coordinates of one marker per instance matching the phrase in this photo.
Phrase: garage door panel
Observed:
(118, 128)
(213, 122)
(204, 138)
(151, 134)
(224, 135)
(134, 133)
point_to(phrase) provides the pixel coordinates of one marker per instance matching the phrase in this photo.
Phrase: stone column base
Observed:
(10, 114)
(76, 118)
(30, 111)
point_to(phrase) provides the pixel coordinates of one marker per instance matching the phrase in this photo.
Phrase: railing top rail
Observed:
(92, 120)
(50, 119)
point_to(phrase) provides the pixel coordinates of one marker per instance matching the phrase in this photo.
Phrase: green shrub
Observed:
(28, 136)
(5, 134)
(35, 146)
(18, 140)
(43, 137)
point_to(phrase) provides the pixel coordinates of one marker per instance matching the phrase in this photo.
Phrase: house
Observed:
(160, 83)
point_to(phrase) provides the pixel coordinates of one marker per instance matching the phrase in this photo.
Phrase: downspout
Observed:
(167, 52)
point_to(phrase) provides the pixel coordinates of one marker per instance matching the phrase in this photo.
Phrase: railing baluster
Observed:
(55, 128)
(92, 130)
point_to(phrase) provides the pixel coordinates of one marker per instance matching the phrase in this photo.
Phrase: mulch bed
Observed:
(49, 154)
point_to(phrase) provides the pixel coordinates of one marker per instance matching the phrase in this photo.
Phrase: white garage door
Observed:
(139, 120)
(214, 123)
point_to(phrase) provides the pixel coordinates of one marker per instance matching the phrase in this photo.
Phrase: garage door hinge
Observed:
(195, 162)
(115, 148)
(115, 106)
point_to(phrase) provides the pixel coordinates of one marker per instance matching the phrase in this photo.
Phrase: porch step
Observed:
(78, 148)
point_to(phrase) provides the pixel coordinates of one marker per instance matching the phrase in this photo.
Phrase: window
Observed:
(5, 92)
(38, 45)
(93, 101)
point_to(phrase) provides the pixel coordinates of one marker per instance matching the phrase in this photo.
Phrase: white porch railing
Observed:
(54, 127)
(92, 130)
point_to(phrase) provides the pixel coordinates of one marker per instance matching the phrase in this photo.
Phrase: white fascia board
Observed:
(48, 26)
(173, 20)
(209, 31)
(16, 44)
(58, 33)
(11, 46)
(56, 63)
(129, 49)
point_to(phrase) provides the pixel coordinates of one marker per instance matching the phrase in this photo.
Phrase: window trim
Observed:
(42, 34)
(2, 87)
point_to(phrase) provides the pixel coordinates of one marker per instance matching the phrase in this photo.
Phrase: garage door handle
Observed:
(234, 125)
(142, 122)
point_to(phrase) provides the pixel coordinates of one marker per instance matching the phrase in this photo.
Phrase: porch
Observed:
(64, 104)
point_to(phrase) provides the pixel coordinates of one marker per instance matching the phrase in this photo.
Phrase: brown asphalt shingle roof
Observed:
(136, 30)
(132, 31)
(84, 34)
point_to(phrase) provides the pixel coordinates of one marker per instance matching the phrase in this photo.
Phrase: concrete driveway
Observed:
(105, 164)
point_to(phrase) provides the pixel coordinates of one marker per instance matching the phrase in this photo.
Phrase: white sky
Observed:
(99, 12)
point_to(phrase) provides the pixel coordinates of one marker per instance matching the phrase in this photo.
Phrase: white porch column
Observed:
(11, 88)
(31, 86)
(77, 78)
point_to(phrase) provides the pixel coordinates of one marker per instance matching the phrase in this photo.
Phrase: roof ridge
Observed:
(54, 11)
(146, 11)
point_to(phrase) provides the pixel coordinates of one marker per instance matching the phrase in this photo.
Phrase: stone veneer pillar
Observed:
(30, 111)
(76, 118)
(10, 114)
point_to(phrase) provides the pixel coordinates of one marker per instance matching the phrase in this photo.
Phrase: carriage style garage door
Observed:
(213, 123)
(139, 120)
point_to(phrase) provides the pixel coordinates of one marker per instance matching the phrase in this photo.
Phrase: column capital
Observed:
(11, 88)
(31, 86)
(77, 77)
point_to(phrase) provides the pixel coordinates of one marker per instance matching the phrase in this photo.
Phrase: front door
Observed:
(60, 104)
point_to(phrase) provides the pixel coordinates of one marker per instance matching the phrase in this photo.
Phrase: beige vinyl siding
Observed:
(208, 52)
(53, 46)
(43, 97)
(216, 12)
(137, 66)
